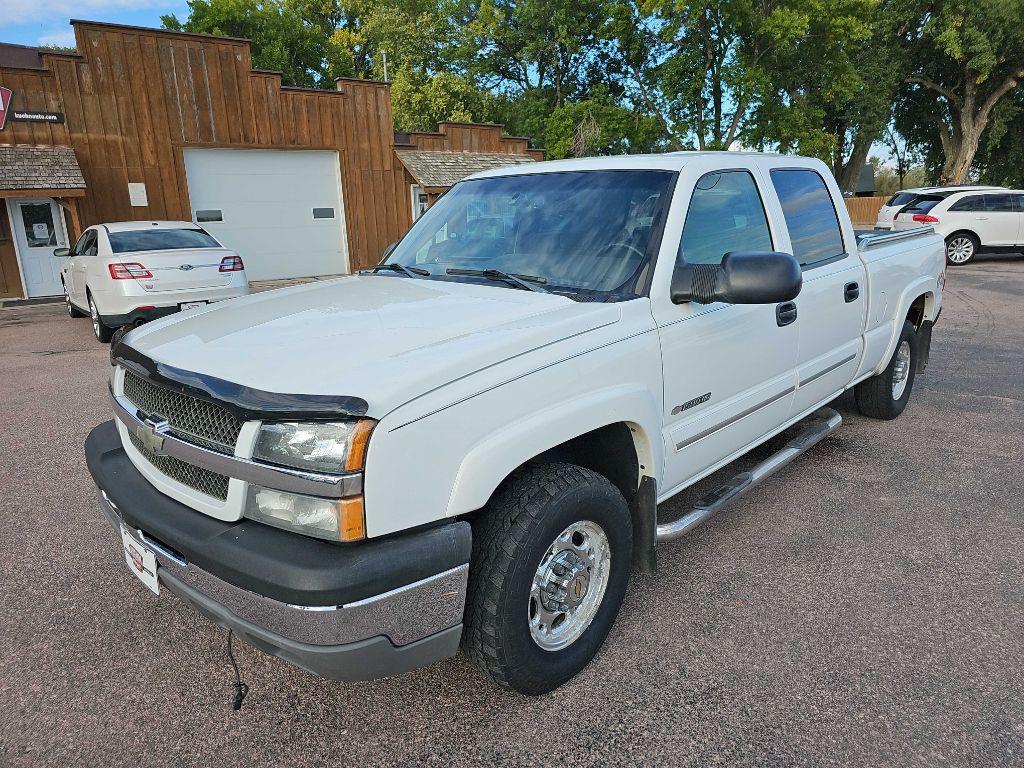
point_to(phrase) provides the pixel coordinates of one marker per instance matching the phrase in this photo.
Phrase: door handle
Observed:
(851, 292)
(785, 313)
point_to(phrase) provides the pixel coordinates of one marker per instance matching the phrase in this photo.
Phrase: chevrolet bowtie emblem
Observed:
(152, 431)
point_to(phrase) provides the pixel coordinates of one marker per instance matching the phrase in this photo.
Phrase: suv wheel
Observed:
(102, 331)
(961, 248)
(886, 395)
(551, 560)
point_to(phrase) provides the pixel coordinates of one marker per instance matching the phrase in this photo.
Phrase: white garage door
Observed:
(280, 209)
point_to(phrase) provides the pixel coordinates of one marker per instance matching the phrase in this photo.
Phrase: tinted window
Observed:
(160, 240)
(1000, 203)
(725, 214)
(902, 198)
(212, 214)
(971, 203)
(810, 215)
(582, 231)
(82, 247)
(923, 204)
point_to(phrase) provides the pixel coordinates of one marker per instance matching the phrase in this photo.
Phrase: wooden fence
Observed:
(864, 210)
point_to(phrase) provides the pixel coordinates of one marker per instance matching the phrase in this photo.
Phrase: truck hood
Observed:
(384, 339)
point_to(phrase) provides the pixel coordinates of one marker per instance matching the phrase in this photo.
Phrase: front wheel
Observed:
(961, 248)
(551, 560)
(103, 332)
(886, 395)
(73, 311)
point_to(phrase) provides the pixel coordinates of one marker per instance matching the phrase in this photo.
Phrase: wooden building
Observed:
(152, 124)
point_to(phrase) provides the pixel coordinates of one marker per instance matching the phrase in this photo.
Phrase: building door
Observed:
(38, 226)
(281, 210)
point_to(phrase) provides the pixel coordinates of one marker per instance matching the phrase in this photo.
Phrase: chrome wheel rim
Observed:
(901, 370)
(67, 301)
(960, 249)
(95, 315)
(569, 585)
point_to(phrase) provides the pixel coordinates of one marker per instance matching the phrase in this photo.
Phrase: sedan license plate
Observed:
(192, 305)
(141, 560)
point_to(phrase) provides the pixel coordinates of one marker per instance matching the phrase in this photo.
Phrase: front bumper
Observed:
(346, 612)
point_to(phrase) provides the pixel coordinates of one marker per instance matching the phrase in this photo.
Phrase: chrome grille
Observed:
(189, 418)
(202, 480)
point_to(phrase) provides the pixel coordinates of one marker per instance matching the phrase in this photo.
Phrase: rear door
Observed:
(728, 369)
(832, 301)
(1000, 220)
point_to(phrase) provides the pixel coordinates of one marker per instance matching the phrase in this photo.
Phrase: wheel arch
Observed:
(963, 231)
(624, 449)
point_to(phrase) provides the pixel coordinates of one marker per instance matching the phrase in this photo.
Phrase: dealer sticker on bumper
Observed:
(141, 560)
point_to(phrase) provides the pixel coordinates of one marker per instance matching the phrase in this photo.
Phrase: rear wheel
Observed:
(886, 395)
(551, 560)
(961, 248)
(103, 332)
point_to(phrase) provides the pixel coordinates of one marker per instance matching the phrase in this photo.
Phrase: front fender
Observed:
(497, 455)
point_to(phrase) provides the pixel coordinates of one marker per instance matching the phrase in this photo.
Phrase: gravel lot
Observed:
(864, 607)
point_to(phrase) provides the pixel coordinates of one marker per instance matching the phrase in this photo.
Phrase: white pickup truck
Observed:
(467, 444)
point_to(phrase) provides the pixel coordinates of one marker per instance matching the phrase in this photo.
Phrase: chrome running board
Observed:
(816, 427)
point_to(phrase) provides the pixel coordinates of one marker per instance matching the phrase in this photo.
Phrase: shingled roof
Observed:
(39, 168)
(443, 169)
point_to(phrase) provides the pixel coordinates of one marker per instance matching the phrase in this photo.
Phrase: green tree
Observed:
(967, 57)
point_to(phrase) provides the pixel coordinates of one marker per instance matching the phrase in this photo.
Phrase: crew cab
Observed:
(466, 445)
(129, 272)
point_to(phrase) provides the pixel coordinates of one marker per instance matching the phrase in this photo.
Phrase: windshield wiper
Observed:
(526, 282)
(394, 266)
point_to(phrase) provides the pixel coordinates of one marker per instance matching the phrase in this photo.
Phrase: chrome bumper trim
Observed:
(278, 478)
(404, 615)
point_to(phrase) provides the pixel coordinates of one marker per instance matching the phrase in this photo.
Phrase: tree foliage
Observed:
(837, 79)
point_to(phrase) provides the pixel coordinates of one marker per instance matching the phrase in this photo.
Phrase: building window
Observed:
(323, 213)
(209, 215)
(420, 202)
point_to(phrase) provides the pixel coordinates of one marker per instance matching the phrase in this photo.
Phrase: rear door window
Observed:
(969, 203)
(725, 215)
(810, 215)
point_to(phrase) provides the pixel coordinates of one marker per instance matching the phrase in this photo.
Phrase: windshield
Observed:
(582, 231)
(160, 240)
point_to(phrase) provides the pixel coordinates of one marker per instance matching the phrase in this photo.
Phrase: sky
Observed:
(45, 22)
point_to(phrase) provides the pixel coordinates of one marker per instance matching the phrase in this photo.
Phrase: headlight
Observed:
(329, 447)
(334, 519)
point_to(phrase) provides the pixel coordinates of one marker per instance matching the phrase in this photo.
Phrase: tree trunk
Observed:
(849, 175)
(959, 164)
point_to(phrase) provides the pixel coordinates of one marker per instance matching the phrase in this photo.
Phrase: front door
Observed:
(38, 230)
(729, 369)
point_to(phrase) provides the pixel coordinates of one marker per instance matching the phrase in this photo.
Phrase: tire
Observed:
(961, 248)
(103, 332)
(73, 311)
(513, 544)
(886, 395)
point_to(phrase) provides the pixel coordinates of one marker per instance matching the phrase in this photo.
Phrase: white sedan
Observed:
(130, 272)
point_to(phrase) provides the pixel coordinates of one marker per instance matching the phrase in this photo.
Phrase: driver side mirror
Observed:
(62, 252)
(743, 277)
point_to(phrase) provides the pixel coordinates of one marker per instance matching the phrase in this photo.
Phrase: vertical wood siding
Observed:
(134, 99)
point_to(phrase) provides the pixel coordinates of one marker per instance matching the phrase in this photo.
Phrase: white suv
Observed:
(887, 213)
(970, 221)
(130, 272)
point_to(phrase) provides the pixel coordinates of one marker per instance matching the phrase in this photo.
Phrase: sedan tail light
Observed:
(925, 218)
(128, 271)
(231, 264)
